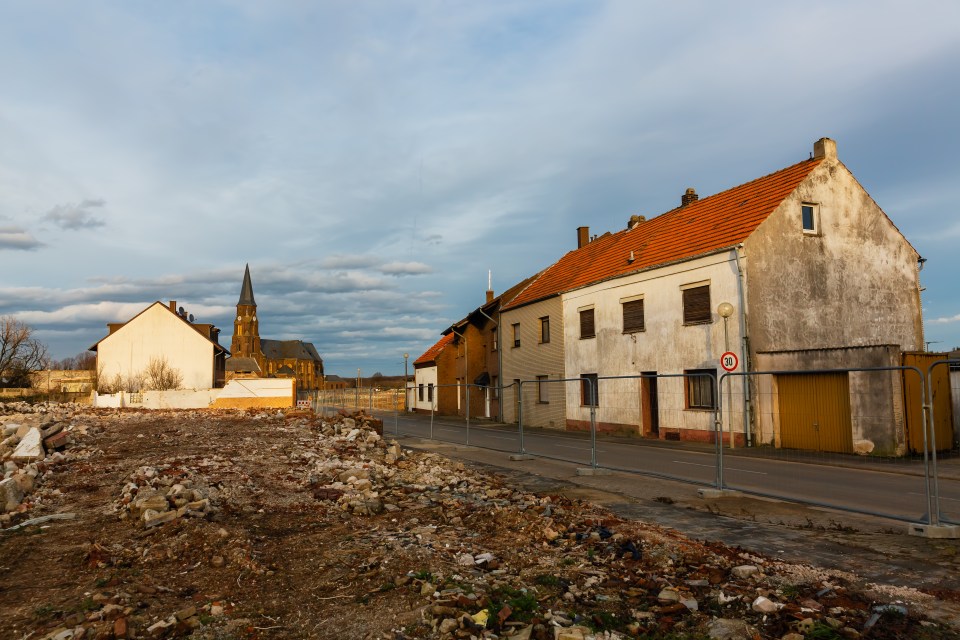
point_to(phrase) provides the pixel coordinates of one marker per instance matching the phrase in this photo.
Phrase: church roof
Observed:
(246, 291)
(243, 365)
(283, 349)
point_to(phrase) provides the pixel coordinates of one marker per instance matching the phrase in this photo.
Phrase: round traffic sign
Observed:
(729, 361)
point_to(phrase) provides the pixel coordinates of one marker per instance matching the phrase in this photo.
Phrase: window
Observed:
(495, 386)
(808, 215)
(545, 329)
(543, 396)
(701, 388)
(516, 335)
(587, 328)
(696, 304)
(421, 393)
(430, 392)
(493, 333)
(633, 316)
(588, 390)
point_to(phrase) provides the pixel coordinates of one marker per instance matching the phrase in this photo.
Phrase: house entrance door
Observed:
(649, 408)
(815, 412)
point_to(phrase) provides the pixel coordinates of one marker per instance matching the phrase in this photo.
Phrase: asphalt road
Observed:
(893, 489)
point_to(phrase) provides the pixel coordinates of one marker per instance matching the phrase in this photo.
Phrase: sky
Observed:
(372, 161)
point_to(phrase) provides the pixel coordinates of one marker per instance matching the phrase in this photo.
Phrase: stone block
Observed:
(30, 447)
(10, 494)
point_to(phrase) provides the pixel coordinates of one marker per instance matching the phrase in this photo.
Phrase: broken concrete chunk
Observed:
(30, 447)
(10, 494)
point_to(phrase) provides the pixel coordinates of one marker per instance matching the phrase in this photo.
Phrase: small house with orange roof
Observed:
(799, 270)
(426, 378)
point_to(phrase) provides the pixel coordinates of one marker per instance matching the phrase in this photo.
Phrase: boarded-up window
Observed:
(696, 305)
(633, 316)
(587, 328)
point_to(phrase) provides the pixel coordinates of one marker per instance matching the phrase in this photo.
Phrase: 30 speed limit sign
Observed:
(729, 361)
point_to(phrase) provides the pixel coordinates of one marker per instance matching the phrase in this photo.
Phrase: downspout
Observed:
(499, 362)
(745, 346)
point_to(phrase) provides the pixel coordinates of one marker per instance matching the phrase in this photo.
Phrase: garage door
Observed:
(815, 412)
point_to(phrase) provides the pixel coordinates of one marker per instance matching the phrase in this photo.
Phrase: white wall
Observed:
(158, 333)
(192, 399)
(424, 376)
(666, 346)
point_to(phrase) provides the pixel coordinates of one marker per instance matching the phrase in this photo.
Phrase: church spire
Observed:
(246, 291)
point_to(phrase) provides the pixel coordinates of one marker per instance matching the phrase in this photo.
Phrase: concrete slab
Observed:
(712, 494)
(30, 447)
(941, 531)
(520, 457)
(593, 471)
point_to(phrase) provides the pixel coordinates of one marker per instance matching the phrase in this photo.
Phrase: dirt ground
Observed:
(275, 524)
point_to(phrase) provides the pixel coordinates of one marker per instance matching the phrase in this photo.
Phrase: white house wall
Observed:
(424, 376)
(157, 333)
(531, 359)
(666, 346)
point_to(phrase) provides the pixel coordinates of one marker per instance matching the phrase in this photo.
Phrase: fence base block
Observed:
(518, 457)
(934, 531)
(712, 494)
(593, 471)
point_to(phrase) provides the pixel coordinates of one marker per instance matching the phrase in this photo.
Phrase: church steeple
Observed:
(246, 332)
(246, 291)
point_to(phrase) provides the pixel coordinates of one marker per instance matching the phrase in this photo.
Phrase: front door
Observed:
(648, 404)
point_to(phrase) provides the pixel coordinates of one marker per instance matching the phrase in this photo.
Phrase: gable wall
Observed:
(855, 284)
(157, 333)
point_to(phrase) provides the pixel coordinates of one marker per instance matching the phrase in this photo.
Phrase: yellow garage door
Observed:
(815, 412)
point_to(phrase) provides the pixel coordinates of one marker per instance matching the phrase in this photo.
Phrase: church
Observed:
(256, 357)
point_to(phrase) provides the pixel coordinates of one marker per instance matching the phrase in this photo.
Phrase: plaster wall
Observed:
(853, 283)
(423, 376)
(157, 333)
(531, 359)
(666, 346)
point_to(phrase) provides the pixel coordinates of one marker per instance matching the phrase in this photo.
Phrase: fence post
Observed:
(468, 411)
(396, 413)
(718, 433)
(433, 404)
(594, 389)
(520, 414)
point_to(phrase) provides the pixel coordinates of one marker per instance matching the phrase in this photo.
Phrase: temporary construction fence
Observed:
(815, 436)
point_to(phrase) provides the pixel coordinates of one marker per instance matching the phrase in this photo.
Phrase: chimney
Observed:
(825, 148)
(635, 220)
(173, 306)
(689, 196)
(489, 286)
(583, 236)
(489, 295)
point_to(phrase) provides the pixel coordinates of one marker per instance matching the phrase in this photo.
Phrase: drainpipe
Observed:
(499, 363)
(745, 341)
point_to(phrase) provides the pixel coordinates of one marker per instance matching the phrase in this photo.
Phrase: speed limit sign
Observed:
(729, 361)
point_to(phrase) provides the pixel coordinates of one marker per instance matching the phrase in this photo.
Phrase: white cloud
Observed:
(18, 239)
(405, 268)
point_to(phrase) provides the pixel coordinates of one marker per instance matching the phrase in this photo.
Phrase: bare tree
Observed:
(20, 353)
(85, 361)
(161, 376)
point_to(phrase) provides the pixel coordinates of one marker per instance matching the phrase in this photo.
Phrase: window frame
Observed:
(516, 335)
(693, 383)
(430, 388)
(542, 390)
(494, 384)
(689, 306)
(643, 315)
(420, 392)
(545, 330)
(814, 218)
(592, 324)
(493, 333)
(585, 384)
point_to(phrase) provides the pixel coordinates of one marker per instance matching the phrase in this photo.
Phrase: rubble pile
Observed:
(230, 524)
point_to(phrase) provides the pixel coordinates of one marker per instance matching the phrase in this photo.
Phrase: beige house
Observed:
(161, 333)
(799, 270)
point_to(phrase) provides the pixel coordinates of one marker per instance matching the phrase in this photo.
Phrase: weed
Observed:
(664, 499)
(44, 611)
(522, 604)
(387, 586)
(101, 582)
(206, 618)
(548, 580)
(87, 604)
(821, 631)
(423, 574)
(790, 591)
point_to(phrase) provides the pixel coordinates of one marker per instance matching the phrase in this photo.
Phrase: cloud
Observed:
(405, 268)
(945, 320)
(17, 238)
(76, 216)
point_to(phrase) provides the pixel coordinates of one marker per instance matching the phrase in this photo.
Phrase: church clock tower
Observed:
(246, 334)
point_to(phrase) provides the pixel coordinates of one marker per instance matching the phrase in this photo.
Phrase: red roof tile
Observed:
(721, 220)
(431, 354)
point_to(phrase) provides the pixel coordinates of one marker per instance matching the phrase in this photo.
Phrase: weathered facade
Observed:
(160, 334)
(425, 396)
(809, 274)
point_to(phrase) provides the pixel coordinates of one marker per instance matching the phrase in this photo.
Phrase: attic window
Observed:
(809, 217)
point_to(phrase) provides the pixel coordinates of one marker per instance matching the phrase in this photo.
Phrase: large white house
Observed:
(161, 333)
(798, 271)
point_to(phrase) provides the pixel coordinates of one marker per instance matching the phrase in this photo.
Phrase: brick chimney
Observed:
(489, 286)
(635, 220)
(489, 295)
(173, 306)
(689, 196)
(825, 148)
(583, 236)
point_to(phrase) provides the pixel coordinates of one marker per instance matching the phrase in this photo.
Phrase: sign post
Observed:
(729, 362)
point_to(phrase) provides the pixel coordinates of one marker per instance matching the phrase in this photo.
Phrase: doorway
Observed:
(649, 406)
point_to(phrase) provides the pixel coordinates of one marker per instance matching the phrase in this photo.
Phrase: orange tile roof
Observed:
(431, 354)
(721, 220)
